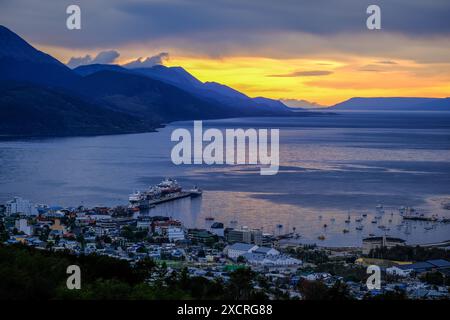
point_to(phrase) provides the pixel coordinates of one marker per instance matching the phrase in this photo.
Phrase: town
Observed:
(283, 270)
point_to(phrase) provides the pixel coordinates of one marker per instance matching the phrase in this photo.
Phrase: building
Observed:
(218, 229)
(378, 242)
(22, 226)
(244, 235)
(175, 234)
(239, 249)
(201, 235)
(268, 260)
(20, 206)
(267, 251)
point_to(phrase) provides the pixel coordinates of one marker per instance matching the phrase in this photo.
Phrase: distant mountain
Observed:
(301, 104)
(19, 61)
(394, 104)
(41, 96)
(212, 91)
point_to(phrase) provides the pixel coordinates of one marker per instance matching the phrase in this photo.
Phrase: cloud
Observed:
(148, 62)
(386, 62)
(310, 73)
(103, 57)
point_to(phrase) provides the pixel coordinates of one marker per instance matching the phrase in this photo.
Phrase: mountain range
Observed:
(41, 96)
(393, 104)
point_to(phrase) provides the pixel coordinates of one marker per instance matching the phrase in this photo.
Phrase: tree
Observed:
(313, 290)
(240, 286)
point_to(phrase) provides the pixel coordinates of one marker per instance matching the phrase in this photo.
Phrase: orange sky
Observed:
(320, 80)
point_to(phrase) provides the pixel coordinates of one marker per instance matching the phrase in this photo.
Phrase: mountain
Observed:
(19, 61)
(212, 91)
(86, 70)
(32, 110)
(301, 104)
(147, 98)
(172, 75)
(41, 96)
(394, 104)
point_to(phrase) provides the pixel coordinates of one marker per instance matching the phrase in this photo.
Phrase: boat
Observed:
(374, 221)
(166, 190)
(325, 225)
(371, 235)
(364, 215)
(345, 231)
(195, 192)
(359, 228)
(322, 237)
(358, 219)
(209, 218)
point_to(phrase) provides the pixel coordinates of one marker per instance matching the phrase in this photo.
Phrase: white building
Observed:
(238, 249)
(175, 234)
(278, 260)
(19, 205)
(22, 226)
(399, 271)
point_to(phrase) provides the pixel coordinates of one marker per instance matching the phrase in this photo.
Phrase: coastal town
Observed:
(284, 269)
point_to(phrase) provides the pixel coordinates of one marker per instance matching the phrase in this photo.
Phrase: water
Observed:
(331, 166)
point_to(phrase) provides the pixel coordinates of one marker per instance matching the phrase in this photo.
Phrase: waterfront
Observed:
(331, 166)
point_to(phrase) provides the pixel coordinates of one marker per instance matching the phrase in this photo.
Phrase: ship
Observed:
(166, 190)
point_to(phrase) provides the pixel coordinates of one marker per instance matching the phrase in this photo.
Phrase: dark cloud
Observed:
(309, 73)
(103, 57)
(108, 23)
(414, 30)
(148, 62)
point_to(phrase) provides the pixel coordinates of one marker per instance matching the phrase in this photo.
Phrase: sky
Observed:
(319, 51)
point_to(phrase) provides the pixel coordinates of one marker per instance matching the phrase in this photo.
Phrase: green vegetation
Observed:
(409, 253)
(27, 273)
(317, 290)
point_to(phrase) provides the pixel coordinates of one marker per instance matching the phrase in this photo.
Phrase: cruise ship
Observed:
(167, 190)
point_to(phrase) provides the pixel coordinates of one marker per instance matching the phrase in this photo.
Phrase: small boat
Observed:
(345, 231)
(371, 235)
(322, 237)
(358, 219)
(196, 192)
(364, 215)
(359, 228)
(279, 226)
(325, 225)
(209, 218)
(374, 221)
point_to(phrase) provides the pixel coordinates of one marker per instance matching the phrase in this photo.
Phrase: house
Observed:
(259, 259)
(423, 266)
(267, 251)
(379, 242)
(175, 234)
(440, 264)
(399, 271)
(238, 249)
